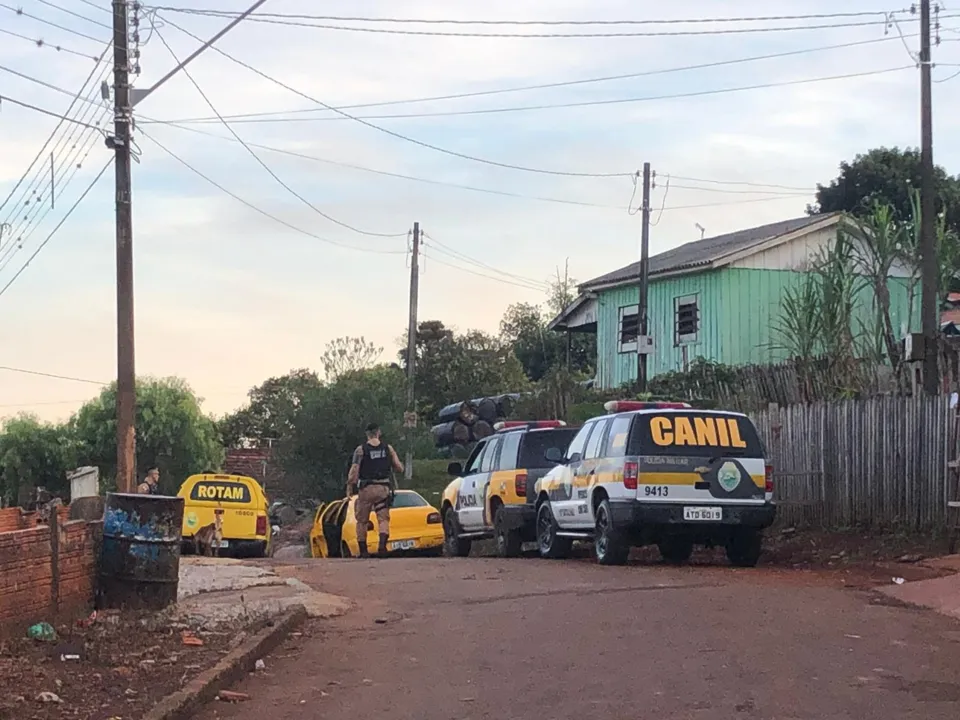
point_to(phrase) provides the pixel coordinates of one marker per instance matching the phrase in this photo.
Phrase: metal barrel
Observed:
(140, 556)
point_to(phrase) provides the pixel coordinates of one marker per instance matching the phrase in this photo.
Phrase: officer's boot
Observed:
(382, 550)
(363, 549)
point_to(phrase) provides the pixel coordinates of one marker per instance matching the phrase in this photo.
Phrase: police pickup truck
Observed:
(493, 494)
(658, 473)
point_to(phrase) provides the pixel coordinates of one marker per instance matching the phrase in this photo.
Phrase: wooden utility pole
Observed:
(644, 281)
(412, 345)
(929, 272)
(126, 368)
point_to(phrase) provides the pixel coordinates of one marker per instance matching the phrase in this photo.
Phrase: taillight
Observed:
(434, 519)
(768, 485)
(261, 524)
(630, 475)
(520, 484)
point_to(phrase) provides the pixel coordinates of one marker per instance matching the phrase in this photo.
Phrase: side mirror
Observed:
(455, 469)
(574, 458)
(554, 455)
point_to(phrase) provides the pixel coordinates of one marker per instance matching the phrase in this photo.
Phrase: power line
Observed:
(740, 182)
(74, 14)
(96, 7)
(436, 21)
(731, 202)
(55, 229)
(264, 212)
(50, 86)
(483, 275)
(42, 44)
(730, 191)
(544, 86)
(51, 113)
(51, 375)
(400, 136)
(264, 165)
(446, 249)
(19, 11)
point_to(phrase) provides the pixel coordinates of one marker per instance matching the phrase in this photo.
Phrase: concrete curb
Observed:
(231, 669)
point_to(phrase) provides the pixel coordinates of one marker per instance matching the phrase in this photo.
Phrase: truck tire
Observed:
(453, 544)
(509, 542)
(610, 547)
(744, 547)
(676, 549)
(550, 545)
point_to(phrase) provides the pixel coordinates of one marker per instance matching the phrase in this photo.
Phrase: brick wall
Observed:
(46, 575)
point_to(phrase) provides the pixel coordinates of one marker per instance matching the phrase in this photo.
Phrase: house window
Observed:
(687, 320)
(629, 328)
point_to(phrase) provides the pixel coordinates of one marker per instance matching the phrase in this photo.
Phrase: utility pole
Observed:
(412, 347)
(929, 273)
(644, 281)
(126, 368)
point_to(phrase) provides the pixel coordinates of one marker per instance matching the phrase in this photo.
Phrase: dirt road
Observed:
(484, 638)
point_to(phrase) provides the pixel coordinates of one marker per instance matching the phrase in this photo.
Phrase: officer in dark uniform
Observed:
(370, 474)
(151, 484)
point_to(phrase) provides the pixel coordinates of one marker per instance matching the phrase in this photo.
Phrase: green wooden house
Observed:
(716, 298)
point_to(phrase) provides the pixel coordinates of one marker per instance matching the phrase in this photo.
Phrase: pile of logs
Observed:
(471, 420)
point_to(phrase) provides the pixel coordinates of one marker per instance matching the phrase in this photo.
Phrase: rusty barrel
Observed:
(140, 556)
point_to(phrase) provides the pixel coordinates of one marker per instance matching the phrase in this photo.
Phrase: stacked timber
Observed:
(470, 420)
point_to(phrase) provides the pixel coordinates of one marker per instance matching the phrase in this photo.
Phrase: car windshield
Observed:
(536, 443)
(408, 499)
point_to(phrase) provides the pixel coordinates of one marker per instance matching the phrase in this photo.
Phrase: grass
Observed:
(429, 479)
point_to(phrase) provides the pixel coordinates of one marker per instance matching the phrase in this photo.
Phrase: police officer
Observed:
(370, 473)
(151, 484)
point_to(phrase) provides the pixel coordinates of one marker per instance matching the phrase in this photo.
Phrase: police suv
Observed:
(658, 473)
(493, 494)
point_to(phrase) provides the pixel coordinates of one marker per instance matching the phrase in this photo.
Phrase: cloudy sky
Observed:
(227, 296)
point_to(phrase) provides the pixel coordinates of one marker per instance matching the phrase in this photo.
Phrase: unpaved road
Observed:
(485, 638)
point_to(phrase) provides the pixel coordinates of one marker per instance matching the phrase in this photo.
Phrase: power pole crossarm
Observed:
(126, 367)
(929, 272)
(412, 345)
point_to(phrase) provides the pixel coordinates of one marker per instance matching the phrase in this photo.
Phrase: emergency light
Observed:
(532, 424)
(618, 406)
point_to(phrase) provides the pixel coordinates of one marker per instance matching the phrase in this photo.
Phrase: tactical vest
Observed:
(375, 465)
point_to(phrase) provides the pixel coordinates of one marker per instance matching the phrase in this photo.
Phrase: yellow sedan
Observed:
(415, 526)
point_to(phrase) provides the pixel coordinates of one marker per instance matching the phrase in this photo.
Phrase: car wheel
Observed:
(453, 544)
(509, 543)
(609, 547)
(550, 545)
(344, 550)
(676, 549)
(743, 549)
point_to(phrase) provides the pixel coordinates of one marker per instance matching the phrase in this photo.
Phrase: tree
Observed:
(271, 411)
(34, 454)
(173, 433)
(888, 176)
(349, 354)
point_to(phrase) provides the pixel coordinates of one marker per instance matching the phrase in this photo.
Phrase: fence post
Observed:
(54, 561)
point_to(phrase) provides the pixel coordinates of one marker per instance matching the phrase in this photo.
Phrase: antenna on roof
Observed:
(702, 230)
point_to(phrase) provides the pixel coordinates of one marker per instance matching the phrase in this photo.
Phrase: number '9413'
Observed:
(656, 491)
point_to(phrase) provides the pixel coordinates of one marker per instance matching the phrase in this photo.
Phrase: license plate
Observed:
(403, 545)
(699, 514)
(223, 544)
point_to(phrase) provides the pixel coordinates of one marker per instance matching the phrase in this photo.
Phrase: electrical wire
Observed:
(264, 212)
(49, 86)
(436, 21)
(400, 136)
(583, 103)
(483, 275)
(745, 192)
(42, 44)
(663, 204)
(54, 232)
(731, 202)
(740, 182)
(50, 113)
(96, 7)
(400, 176)
(51, 375)
(543, 86)
(446, 249)
(74, 14)
(20, 12)
(256, 157)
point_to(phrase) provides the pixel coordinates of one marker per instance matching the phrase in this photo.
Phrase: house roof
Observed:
(709, 251)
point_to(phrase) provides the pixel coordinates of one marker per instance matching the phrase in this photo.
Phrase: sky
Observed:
(228, 295)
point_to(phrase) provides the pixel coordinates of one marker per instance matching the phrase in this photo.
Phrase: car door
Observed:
(562, 493)
(467, 512)
(472, 518)
(585, 476)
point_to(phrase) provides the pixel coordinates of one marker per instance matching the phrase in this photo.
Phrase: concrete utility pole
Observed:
(644, 281)
(126, 368)
(929, 267)
(412, 345)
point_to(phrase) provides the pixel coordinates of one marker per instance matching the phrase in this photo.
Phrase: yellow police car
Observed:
(241, 504)
(492, 495)
(658, 473)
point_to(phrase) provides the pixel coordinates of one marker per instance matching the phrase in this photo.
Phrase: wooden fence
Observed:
(879, 462)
